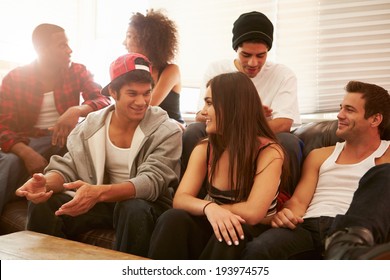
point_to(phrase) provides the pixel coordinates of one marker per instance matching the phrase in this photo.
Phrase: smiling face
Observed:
(251, 58)
(208, 112)
(351, 121)
(132, 101)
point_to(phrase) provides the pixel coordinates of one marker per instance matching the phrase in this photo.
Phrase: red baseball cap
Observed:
(125, 64)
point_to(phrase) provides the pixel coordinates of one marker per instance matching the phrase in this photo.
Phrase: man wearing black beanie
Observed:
(275, 83)
(252, 27)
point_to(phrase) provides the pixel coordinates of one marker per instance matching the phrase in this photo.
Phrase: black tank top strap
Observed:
(262, 147)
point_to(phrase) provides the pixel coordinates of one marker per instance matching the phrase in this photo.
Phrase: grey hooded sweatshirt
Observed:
(156, 166)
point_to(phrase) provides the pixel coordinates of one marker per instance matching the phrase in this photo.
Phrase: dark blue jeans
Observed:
(13, 172)
(283, 244)
(133, 221)
(370, 205)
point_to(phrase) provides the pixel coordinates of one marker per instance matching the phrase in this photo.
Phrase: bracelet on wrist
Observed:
(204, 207)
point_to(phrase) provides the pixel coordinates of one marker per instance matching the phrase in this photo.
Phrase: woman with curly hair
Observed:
(244, 168)
(155, 36)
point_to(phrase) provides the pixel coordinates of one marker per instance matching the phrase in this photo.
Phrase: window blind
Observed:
(326, 43)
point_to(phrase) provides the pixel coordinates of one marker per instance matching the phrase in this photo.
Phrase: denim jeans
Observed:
(283, 243)
(13, 172)
(370, 205)
(133, 221)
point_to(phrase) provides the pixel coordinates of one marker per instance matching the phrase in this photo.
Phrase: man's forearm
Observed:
(280, 125)
(295, 207)
(54, 182)
(84, 110)
(116, 192)
(22, 150)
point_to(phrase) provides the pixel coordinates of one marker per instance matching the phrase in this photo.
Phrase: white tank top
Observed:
(48, 114)
(338, 182)
(120, 160)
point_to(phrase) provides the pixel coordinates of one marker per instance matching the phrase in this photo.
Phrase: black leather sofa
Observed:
(314, 135)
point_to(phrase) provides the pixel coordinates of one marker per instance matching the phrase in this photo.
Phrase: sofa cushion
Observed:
(98, 237)
(14, 216)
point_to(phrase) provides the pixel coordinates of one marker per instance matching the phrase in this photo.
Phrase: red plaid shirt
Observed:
(21, 96)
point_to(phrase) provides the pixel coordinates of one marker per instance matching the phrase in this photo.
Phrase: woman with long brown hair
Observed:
(242, 163)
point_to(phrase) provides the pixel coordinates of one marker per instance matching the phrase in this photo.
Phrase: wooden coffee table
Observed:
(29, 245)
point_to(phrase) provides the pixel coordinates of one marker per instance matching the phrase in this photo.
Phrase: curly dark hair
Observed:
(157, 36)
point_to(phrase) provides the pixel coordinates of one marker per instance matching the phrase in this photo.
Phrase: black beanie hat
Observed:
(253, 25)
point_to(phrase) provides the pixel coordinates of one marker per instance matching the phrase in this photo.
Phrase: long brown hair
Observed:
(240, 122)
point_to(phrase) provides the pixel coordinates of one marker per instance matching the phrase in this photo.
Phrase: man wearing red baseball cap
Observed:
(121, 163)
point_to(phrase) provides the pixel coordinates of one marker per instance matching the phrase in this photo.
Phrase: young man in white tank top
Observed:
(330, 178)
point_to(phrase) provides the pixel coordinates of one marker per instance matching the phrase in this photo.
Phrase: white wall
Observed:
(95, 29)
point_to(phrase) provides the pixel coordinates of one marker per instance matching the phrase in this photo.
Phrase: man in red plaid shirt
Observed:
(40, 105)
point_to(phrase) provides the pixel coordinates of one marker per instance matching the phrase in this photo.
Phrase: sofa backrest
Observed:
(317, 135)
(322, 134)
